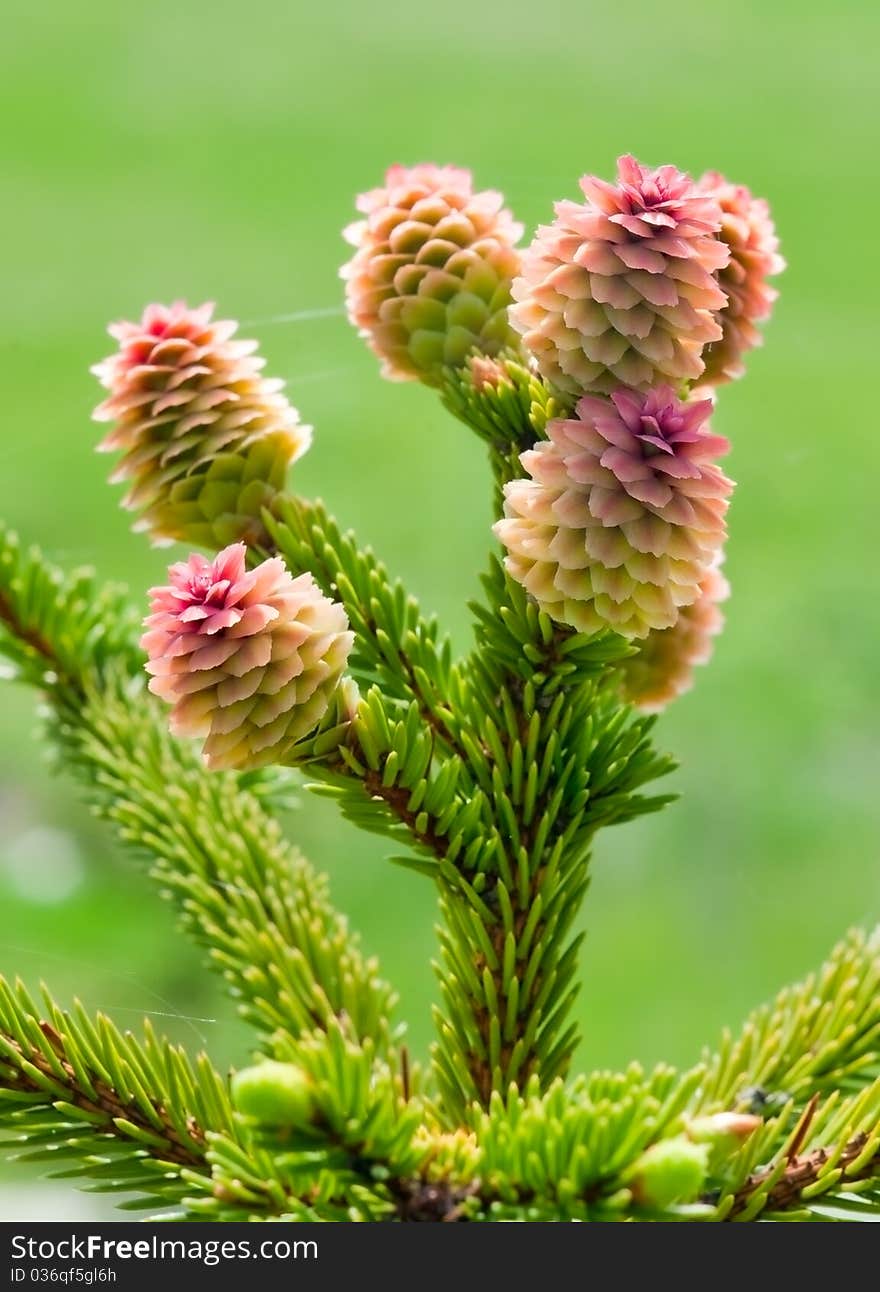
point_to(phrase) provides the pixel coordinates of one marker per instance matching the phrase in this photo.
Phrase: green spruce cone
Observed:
(671, 1171)
(273, 1094)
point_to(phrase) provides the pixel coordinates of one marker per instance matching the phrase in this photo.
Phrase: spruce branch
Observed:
(129, 1114)
(387, 778)
(574, 1153)
(56, 629)
(803, 1177)
(243, 891)
(477, 832)
(584, 1153)
(341, 1148)
(809, 1064)
(494, 773)
(819, 1162)
(395, 647)
(556, 756)
(858, 1164)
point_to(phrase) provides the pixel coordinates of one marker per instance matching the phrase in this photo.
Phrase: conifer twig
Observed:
(135, 1114)
(804, 1171)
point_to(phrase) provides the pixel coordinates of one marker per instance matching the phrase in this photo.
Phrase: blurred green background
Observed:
(213, 151)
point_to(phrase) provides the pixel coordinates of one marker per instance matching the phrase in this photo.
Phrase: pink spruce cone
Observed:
(622, 290)
(748, 230)
(430, 279)
(664, 667)
(250, 660)
(623, 512)
(206, 440)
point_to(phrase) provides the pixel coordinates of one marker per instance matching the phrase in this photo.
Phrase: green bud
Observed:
(672, 1171)
(274, 1094)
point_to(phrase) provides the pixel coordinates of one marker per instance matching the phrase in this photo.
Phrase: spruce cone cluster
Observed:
(430, 279)
(622, 513)
(626, 304)
(649, 289)
(250, 660)
(206, 439)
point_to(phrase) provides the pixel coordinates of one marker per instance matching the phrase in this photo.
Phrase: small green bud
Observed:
(672, 1171)
(274, 1094)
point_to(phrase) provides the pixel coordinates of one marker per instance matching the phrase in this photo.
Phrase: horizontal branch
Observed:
(803, 1172)
(136, 1115)
(102, 1105)
(245, 893)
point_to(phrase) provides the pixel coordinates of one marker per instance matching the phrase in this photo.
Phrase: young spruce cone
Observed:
(250, 659)
(622, 289)
(206, 439)
(430, 279)
(623, 512)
